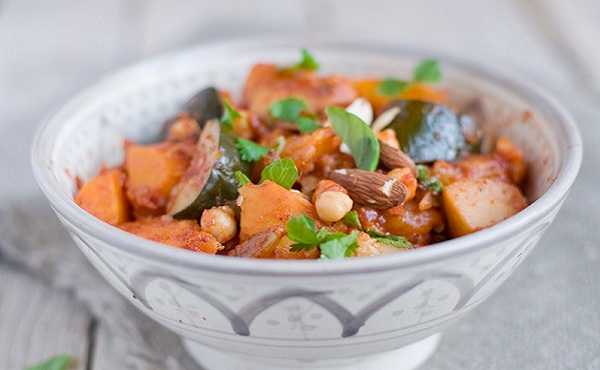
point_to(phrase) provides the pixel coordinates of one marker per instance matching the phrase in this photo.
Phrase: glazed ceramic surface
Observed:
(297, 314)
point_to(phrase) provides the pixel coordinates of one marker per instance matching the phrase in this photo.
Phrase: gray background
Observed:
(547, 316)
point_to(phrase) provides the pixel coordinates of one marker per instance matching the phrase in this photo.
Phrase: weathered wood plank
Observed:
(37, 322)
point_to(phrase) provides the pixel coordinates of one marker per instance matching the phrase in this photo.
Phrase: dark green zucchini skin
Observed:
(427, 132)
(220, 186)
(205, 105)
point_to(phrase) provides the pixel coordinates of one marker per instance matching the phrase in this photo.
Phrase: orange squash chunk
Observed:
(185, 234)
(269, 205)
(152, 171)
(471, 205)
(369, 89)
(104, 197)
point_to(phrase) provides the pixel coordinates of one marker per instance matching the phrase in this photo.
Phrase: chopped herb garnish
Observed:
(357, 135)
(241, 178)
(307, 61)
(290, 110)
(392, 86)
(351, 219)
(432, 183)
(303, 232)
(282, 172)
(229, 114)
(249, 150)
(60, 362)
(393, 240)
(428, 70)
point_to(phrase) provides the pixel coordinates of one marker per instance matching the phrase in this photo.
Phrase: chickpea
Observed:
(333, 205)
(409, 180)
(220, 222)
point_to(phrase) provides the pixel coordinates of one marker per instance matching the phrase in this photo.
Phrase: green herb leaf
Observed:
(61, 362)
(241, 178)
(282, 172)
(288, 109)
(308, 61)
(338, 248)
(307, 124)
(392, 86)
(393, 240)
(428, 70)
(302, 230)
(351, 219)
(359, 137)
(432, 183)
(249, 150)
(229, 114)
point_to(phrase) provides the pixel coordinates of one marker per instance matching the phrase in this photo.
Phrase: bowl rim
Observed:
(157, 252)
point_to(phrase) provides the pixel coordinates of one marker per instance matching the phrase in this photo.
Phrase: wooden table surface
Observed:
(547, 316)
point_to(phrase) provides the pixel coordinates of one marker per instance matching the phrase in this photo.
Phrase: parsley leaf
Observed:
(341, 247)
(241, 178)
(392, 86)
(282, 172)
(393, 240)
(308, 61)
(249, 150)
(357, 135)
(351, 219)
(432, 183)
(427, 70)
(288, 109)
(307, 124)
(60, 362)
(229, 114)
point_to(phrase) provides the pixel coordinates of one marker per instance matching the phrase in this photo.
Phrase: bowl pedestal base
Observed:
(406, 358)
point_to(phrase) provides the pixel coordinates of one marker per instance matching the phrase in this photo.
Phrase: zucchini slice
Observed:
(209, 181)
(204, 106)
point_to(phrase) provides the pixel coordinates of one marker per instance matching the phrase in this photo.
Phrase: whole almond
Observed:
(395, 158)
(371, 189)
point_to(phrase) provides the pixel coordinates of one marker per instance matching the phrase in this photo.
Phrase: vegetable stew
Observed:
(308, 166)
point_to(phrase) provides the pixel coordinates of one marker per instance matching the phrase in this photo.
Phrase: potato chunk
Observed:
(104, 197)
(267, 83)
(185, 234)
(471, 205)
(153, 170)
(268, 205)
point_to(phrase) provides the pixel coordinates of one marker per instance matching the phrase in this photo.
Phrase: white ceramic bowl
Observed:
(254, 314)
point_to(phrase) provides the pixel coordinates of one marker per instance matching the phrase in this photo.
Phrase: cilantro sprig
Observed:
(432, 183)
(303, 231)
(282, 171)
(428, 71)
(230, 114)
(60, 362)
(307, 61)
(249, 150)
(393, 240)
(241, 178)
(294, 110)
(351, 219)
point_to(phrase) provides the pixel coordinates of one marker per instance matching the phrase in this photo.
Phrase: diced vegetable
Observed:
(104, 197)
(370, 90)
(471, 205)
(412, 223)
(260, 245)
(210, 179)
(427, 132)
(261, 207)
(266, 84)
(152, 171)
(307, 150)
(178, 233)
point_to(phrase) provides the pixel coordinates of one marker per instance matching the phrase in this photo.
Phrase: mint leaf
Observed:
(241, 178)
(339, 247)
(357, 135)
(302, 230)
(60, 362)
(249, 150)
(229, 114)
(428, 70)
(431, 183)
(351, 219)
(288, 109)
(307, 124)
(393, 240)
(307, 61)
(392, 86)
(282, 172)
